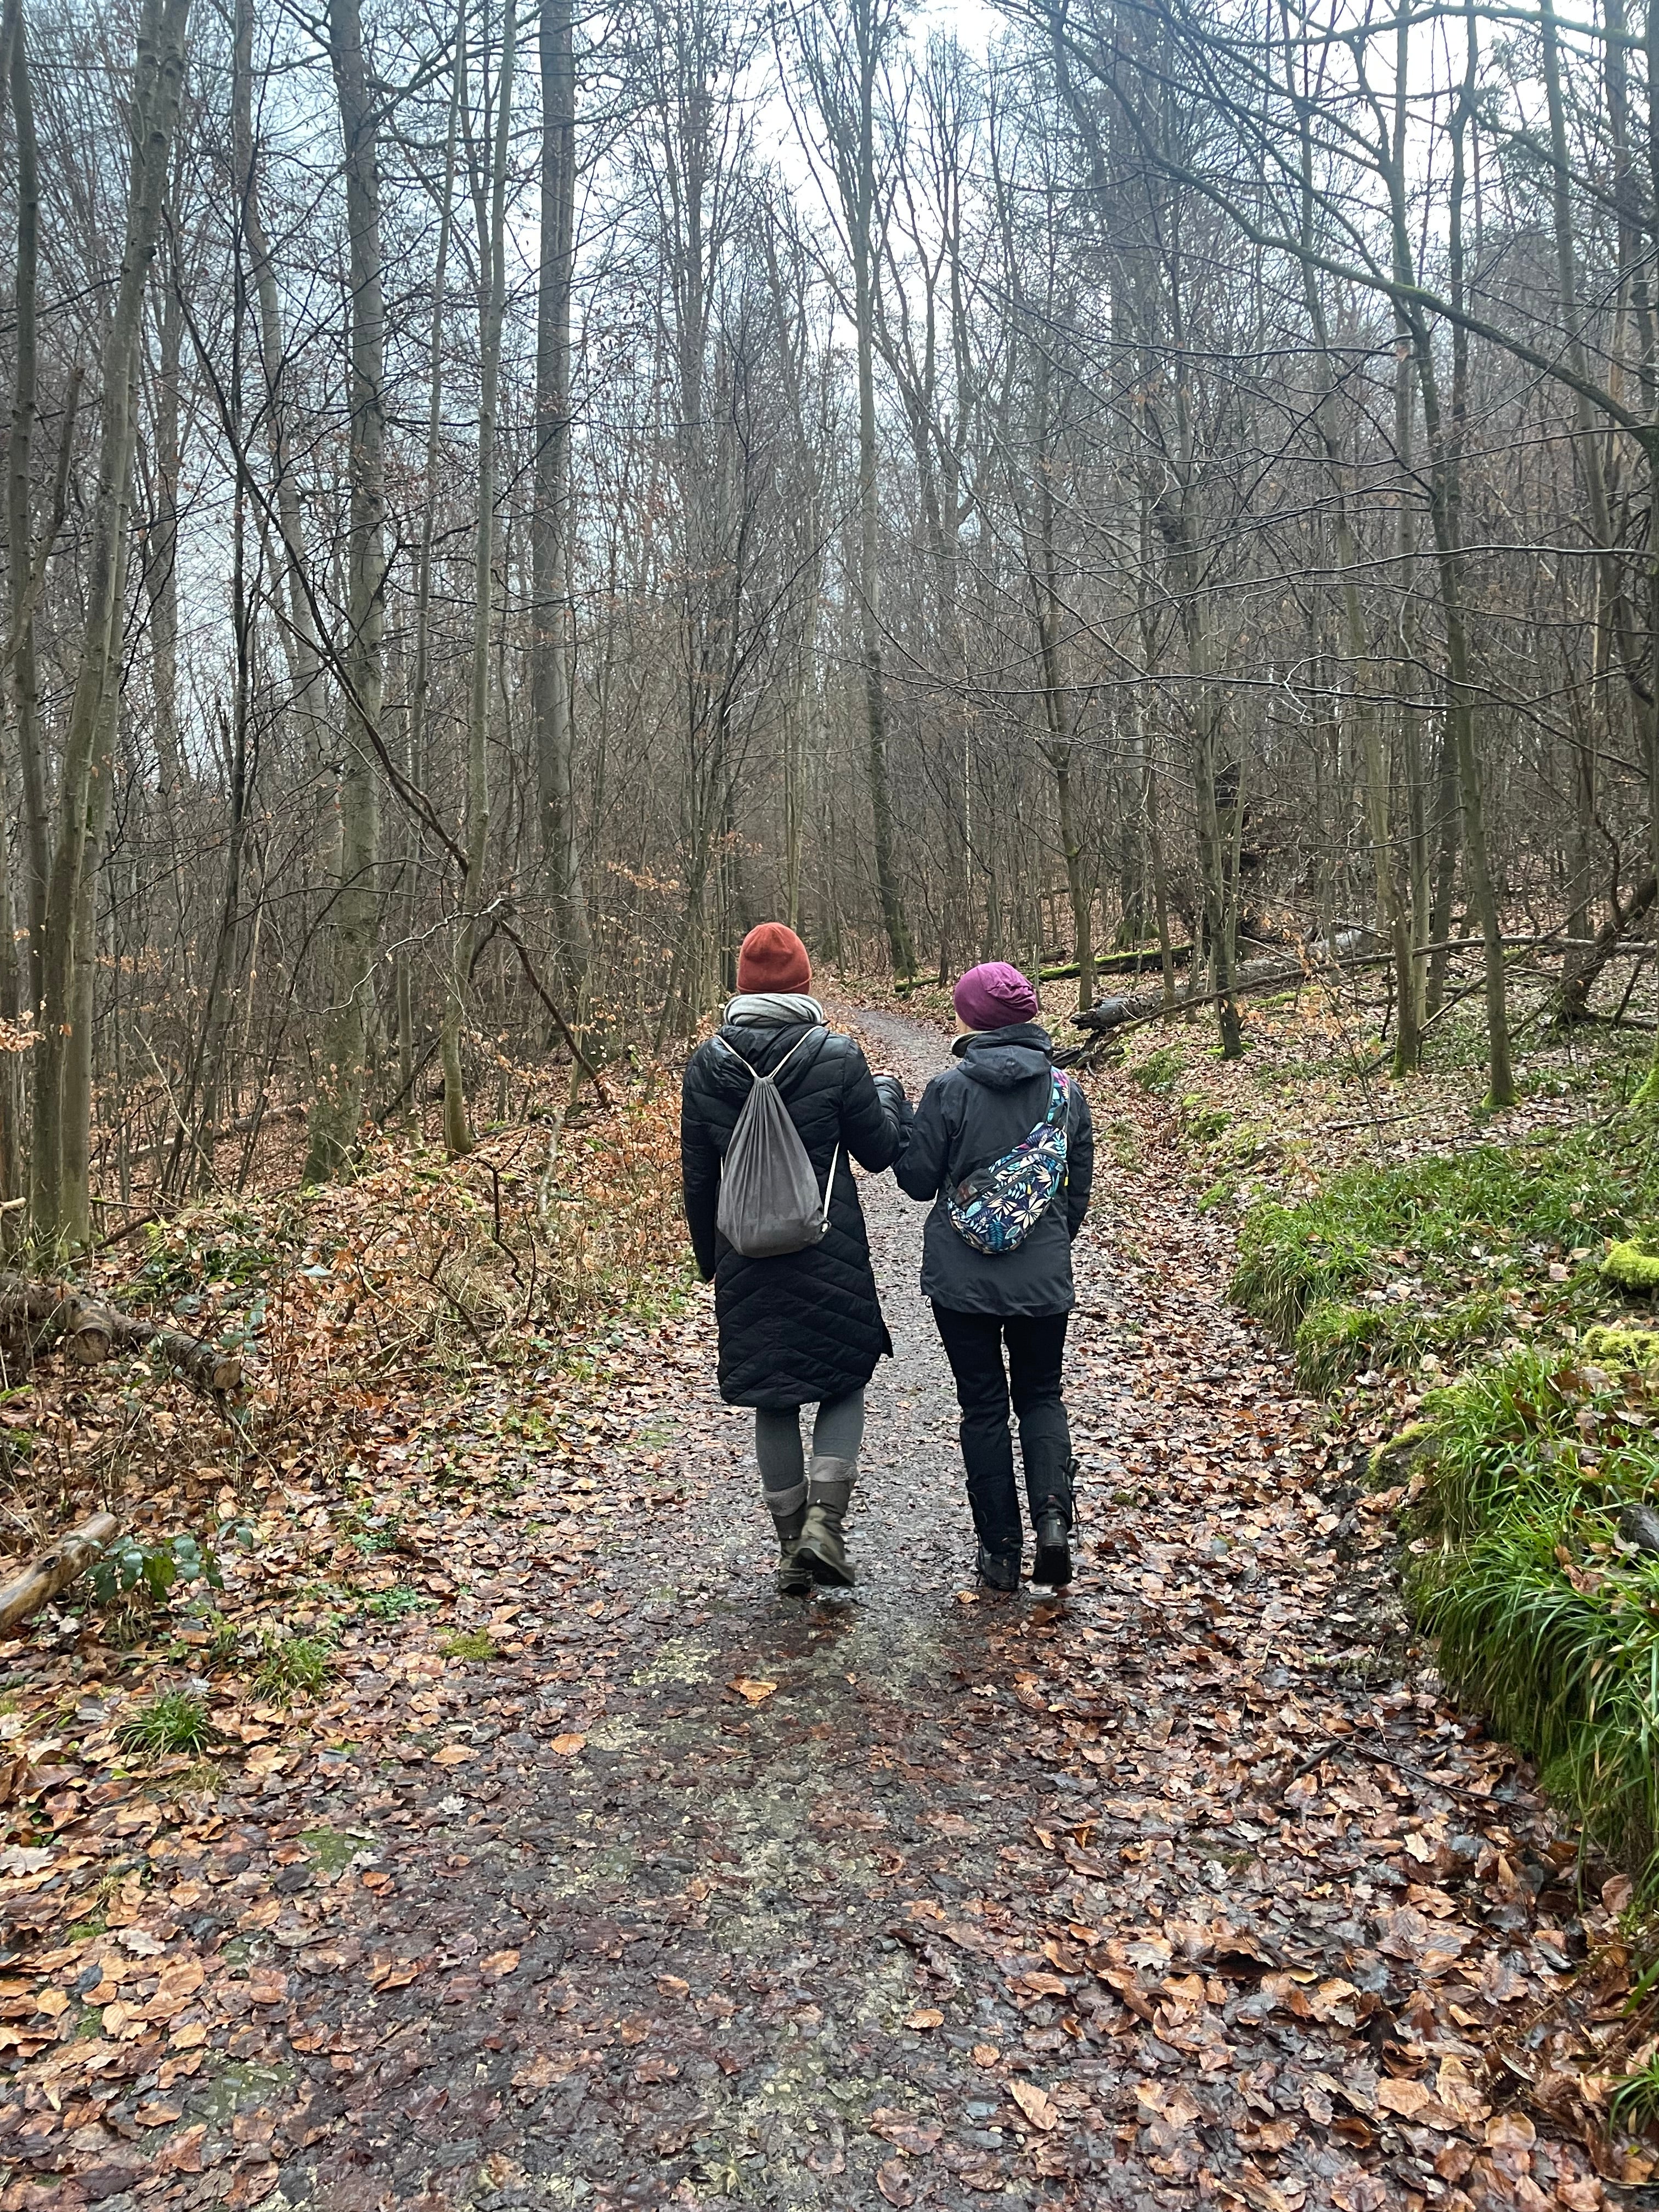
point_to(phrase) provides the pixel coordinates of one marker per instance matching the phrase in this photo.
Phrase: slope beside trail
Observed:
(1180, 1892)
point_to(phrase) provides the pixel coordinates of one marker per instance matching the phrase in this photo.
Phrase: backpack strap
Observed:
(755, 1076)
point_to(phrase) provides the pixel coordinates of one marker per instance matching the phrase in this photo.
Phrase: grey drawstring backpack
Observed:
(769, 1202)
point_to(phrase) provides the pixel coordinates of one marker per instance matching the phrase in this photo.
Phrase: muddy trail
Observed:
(1181, 1891)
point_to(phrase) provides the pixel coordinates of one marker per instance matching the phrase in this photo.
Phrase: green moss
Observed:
(468, 1644)
(1633, 1265)
(1623, 1350)
(332, 1851)
(1389, 1460)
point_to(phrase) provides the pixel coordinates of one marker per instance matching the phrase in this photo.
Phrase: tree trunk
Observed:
(492, 265)
(31, 766)
(337, 1108)
(552, 605)
(58, 1195)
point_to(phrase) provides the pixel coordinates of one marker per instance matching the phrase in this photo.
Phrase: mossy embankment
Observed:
(1509, 1288)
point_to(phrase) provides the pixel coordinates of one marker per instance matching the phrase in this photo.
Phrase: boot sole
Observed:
(1053, 1567)
(826, 1572)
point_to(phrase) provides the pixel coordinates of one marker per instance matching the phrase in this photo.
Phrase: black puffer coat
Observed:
(805, 1326)
(988, 1103)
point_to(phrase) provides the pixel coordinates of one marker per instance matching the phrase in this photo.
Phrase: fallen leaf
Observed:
(1406, 2097)
(985, 2054)
(895, 2182)
(924, 2016)
(267, 1985)
(1510, 2131)
(756, 1692)
(498, 1965)
(158, 2116)
(917, 2138)
(1038, 2104)
(1358, 2192)
(454, 1754)
(569, 1746)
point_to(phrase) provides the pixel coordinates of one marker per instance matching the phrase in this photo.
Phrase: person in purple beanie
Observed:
(1003, 1145)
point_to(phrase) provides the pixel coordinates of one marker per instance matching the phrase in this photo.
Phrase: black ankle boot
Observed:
(998, 1571)
(1053, 1562)
(1052, 1518)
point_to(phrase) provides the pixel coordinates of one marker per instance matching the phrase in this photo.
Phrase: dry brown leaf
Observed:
(1038, 2104)
(454, 1754)
(756, 1692)
(569, 1746)
(498, 1965)
(894, 2183)
(925, 2016)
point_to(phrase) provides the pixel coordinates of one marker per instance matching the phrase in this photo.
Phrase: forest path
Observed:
(1162, 1895)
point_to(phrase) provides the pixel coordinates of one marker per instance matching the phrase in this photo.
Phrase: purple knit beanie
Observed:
(994, 996)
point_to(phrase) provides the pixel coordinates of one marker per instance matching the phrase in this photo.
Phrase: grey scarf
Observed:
(774, 1010)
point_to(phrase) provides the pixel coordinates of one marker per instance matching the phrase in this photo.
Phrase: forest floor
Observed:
(650, 1887)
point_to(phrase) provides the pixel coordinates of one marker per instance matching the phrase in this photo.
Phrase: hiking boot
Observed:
(1053, 1564)
(823, 1547)
(998, 1571)
(794, 1576)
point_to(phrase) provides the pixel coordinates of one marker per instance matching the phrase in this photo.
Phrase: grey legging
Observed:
(837, 1433)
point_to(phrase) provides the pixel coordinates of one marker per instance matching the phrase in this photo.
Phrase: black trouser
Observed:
(1037, 1347)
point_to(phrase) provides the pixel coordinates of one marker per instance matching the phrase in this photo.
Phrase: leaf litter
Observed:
(1185, 1889)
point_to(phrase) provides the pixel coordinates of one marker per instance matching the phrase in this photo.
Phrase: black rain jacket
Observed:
(803, 1326)
(988, 1103)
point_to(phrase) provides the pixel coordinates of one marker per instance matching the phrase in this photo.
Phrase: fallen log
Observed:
(1112, 1015)
(1142, 960)
(54, 1570)
(44, 1312)
(1573, 1005)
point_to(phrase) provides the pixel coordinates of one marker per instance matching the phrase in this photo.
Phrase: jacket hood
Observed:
(1004, 1059)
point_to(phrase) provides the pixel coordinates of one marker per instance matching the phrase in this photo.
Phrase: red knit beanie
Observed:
(773, 958)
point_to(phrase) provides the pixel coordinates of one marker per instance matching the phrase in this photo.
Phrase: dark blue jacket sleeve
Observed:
(1079, 1161)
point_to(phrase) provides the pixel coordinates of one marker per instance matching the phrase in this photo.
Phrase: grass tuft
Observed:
(1541, 1615)
(292, 1664)
(172, 1721)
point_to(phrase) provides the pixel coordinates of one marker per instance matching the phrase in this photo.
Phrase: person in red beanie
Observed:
(796, 1328)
